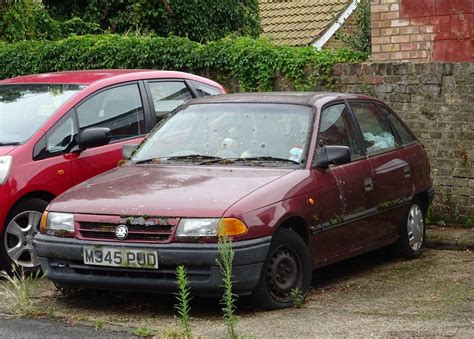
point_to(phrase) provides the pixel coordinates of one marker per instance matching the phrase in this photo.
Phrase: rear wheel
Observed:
(286, 267)
(16, 245)
(412, 231)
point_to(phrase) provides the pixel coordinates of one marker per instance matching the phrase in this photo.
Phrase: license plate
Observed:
(120, 257)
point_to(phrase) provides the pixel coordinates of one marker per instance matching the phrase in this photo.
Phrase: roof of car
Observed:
(87, 77)
(299, 98)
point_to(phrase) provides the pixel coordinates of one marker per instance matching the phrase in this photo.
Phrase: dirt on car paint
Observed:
(373, 294)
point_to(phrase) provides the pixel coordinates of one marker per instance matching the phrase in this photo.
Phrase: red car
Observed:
(296, 181)
(59, 129)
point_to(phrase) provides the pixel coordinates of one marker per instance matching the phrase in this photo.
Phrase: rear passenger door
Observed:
(390, 164)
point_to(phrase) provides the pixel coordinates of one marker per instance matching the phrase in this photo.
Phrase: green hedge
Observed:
(252, 63)
(200, 20)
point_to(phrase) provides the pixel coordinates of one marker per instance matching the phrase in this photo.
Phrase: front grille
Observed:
(160, 232)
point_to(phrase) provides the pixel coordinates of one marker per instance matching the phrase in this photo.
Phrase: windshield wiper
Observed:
(191, 157)
(9, 143)
(251, 159)
(268, 158)
(195, 157)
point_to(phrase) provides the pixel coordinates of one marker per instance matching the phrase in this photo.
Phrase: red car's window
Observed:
(167, 95)
(205, 90)
(119, 108)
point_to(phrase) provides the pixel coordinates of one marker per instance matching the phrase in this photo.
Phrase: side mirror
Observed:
(332, 155)
(93, 137)
(127, 150)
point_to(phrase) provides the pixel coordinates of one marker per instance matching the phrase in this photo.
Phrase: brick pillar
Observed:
(423, 30)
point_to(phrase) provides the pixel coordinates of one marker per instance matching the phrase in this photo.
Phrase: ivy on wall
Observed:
(251, 63)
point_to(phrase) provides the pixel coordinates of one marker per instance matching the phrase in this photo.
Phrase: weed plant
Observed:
(228, 299)
(183, 307)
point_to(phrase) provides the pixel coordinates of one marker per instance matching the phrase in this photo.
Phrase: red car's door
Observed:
(119, 108)
(130, 113)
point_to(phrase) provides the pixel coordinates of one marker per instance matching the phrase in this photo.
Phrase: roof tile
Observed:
(298, 22)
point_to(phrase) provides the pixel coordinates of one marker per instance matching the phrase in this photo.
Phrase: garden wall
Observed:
(436, 100)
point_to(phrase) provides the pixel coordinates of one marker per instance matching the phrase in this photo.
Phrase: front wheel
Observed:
(287, 267)
(16, 245)
(412, 231)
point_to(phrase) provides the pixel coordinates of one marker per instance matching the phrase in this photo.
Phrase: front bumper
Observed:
(62, 261)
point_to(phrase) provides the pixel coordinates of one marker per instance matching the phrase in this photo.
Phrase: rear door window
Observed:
(118, 108)
(405, 135)
(167, 95)
(376, 130)
(205, 90)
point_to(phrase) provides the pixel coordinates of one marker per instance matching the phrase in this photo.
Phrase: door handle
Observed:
(368, 184)
(407, 171)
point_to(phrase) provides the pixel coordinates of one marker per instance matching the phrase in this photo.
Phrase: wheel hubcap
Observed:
(284, 274)
(19, 238)
(415, 228)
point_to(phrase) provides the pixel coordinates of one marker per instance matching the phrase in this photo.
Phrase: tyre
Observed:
(16, 243)
(412, 231)
(286, 267)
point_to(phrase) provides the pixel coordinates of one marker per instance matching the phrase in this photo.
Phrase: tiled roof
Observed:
(299, 22)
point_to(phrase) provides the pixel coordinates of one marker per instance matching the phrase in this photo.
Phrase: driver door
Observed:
(345, 196)
(120, 109)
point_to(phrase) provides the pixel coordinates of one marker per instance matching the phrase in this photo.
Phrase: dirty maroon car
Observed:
(295, 180)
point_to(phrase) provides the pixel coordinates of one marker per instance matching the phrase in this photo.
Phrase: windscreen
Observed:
(24, 108)
(232, 131)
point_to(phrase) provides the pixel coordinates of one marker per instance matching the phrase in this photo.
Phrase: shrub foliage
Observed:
(200, 20)
(250, 64)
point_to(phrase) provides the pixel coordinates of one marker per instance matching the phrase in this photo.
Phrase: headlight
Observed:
(210, 227)
(5, 165)
(57, 223)
(197, 228)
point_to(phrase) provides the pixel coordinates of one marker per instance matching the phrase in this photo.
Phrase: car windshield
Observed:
(231, 133)
(24, 108)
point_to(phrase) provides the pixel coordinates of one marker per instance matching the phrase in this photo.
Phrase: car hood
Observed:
(4, 150)
(182, 191)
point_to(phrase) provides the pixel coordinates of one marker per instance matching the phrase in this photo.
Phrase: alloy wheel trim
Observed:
(24, 234)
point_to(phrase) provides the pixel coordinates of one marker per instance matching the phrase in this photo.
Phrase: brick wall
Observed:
(435, 100)
(423, 30)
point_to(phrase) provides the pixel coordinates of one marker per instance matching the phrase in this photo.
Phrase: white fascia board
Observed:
(335, 26)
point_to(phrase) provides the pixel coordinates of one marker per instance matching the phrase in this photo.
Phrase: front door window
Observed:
(118, 108)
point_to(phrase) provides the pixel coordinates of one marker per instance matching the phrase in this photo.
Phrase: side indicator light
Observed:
(43, 222)
(231, 227)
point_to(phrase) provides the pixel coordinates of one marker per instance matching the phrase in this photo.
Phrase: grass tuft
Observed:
(17, 291)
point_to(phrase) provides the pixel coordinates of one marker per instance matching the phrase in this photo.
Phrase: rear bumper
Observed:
(63, 263)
